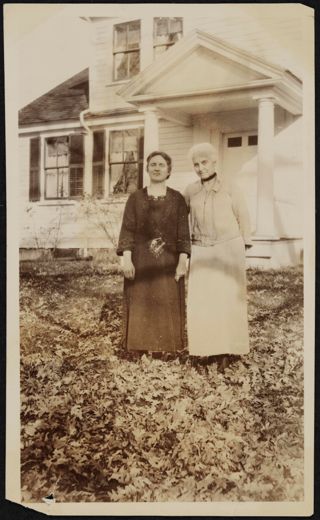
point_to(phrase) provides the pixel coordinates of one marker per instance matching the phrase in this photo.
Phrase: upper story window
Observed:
(126, 50)
(166, 32)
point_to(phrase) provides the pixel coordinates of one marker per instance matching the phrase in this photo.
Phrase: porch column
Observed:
(151, 135)
(265, 204)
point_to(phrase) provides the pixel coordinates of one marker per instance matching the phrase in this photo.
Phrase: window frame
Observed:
(126, 51)
(69, 167)
(168, 19)
(139, 161)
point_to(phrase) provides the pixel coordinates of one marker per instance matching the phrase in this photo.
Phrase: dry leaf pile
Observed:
(98, 425)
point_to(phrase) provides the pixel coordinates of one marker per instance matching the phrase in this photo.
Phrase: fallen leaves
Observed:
(101, 426)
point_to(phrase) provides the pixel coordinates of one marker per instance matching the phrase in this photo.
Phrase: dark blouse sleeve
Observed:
(183, 238)
(128, 227)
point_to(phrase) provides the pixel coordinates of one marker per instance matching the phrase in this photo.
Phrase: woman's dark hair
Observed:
(165, 156)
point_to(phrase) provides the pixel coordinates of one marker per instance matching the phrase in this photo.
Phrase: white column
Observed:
(265, 203)
(151, 135)
(88, 149)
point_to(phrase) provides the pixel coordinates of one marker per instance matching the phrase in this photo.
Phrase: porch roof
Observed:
(202, 73)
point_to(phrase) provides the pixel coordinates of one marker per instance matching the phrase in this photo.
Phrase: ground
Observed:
(99, 426)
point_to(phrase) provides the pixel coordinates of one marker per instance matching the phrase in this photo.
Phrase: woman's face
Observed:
(204, 165)
(158, 169)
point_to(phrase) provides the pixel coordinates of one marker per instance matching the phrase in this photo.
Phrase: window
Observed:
(64, 159)
(252, 140)
(98, 165)
(166, 32)
(126, 50)
(233, 142)
(126, 160)
(34, 171)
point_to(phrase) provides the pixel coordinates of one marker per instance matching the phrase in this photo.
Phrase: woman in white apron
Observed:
(220, 232)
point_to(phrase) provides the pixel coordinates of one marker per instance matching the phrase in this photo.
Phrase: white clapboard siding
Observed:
(65, 226)
(176, 140)
(275, 38)
(271, 33)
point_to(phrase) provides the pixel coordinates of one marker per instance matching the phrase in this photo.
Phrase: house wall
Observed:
(272, 34)
(271, 37)
(63, 223)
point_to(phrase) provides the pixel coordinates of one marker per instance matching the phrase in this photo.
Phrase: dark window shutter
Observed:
(76, 165)
(34, 171)
(98, 164)
(141, 157)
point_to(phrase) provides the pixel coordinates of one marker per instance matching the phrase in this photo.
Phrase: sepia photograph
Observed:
(160, 171)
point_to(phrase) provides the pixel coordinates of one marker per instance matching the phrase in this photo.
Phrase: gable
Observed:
(202, 69)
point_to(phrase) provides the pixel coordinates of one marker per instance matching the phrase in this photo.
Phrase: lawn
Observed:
(100, 426)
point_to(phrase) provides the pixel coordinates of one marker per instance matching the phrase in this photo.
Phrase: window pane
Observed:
(234, 142)
(98, 146)
(131, 176)
(174, 37)
(117, 184)
(134, 63)
(116, 147)
(175, 25)
(124, 178)
(51, 184)
(98, 180)
(62, 158)
(62, 145)
(252, 140)
(130, 139)
(120, 66)
(120, 37)
(76, 182)
(76, 149)
(51, 152)
(134, 35)
(161, 26)
(63, 183)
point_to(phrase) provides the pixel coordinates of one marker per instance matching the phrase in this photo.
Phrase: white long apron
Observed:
(217, 300)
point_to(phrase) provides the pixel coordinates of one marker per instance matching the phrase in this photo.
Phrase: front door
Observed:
(239, 164)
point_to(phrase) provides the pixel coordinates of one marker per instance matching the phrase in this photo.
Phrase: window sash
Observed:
(168, 35)
(130, 156)
(64, 172)
(126, 56)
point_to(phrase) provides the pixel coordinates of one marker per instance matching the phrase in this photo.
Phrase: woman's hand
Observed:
(128, 267)
(181, 269)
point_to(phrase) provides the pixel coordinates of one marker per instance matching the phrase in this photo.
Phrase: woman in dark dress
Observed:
(155, 244)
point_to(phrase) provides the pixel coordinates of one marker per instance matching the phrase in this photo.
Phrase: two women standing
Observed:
(155, 242)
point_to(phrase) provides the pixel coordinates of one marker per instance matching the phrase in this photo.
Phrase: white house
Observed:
(228, 74)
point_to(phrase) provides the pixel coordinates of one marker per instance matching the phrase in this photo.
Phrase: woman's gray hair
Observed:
(206, 149)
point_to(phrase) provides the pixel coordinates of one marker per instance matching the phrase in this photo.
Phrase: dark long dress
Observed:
(156, 230)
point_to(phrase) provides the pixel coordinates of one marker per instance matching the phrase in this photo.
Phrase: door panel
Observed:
(240, 165)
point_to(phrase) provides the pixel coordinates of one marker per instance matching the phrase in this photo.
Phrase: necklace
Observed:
(209, 178)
